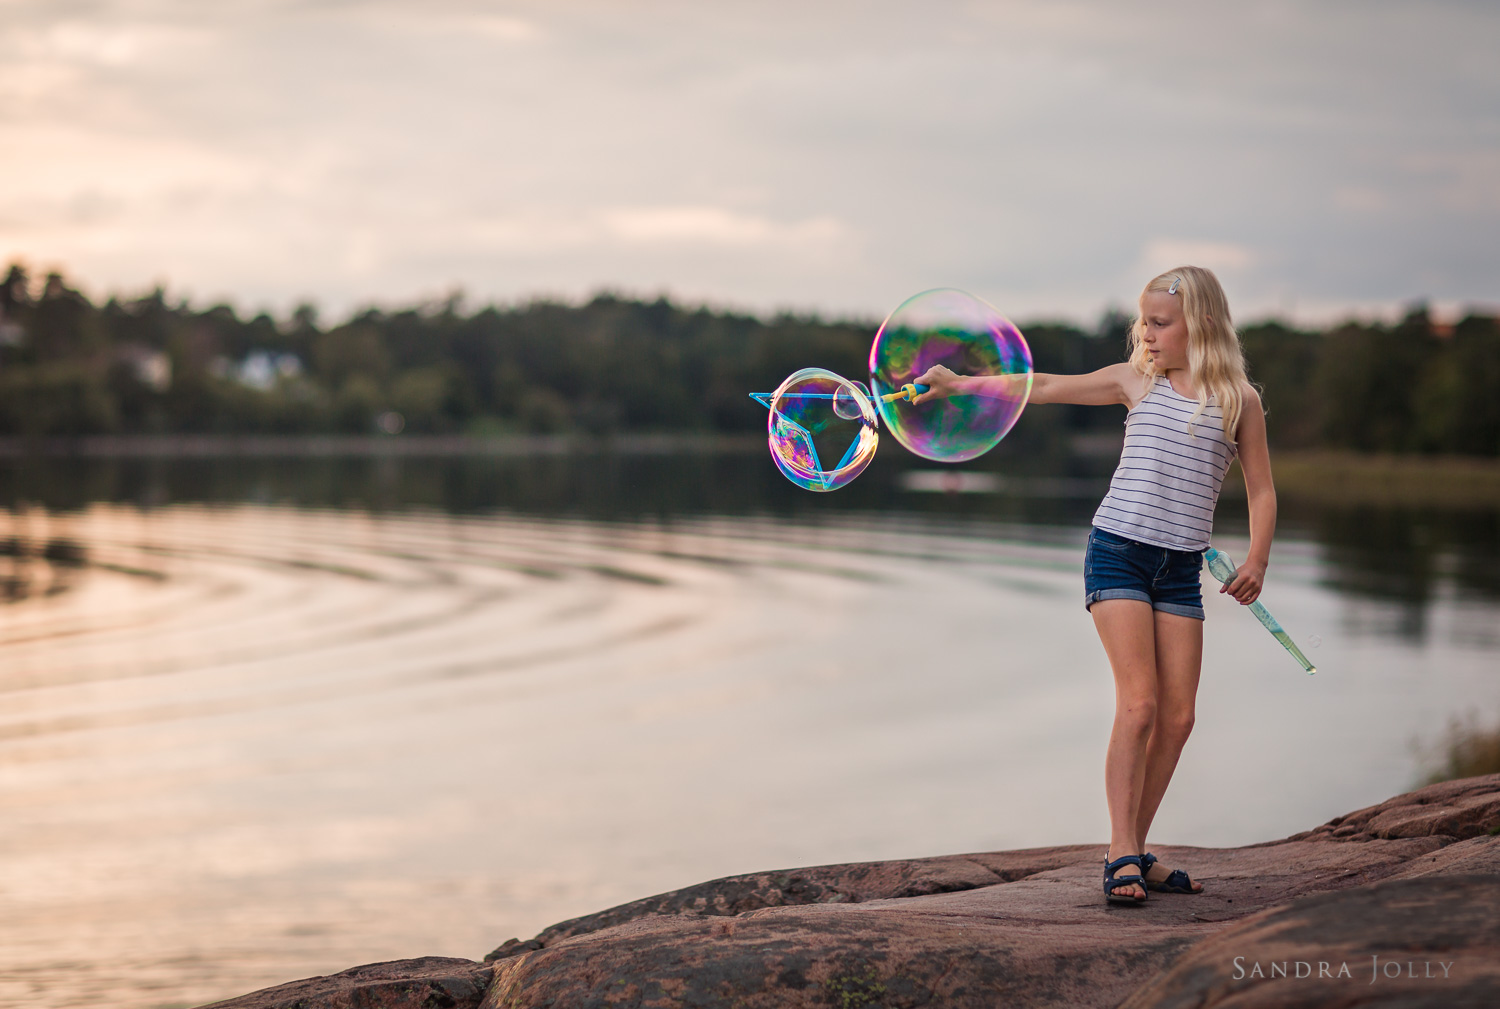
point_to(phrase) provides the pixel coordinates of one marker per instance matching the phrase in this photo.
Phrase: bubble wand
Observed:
(1222, 567)
(906, 392)
(942, 327)
(804, 437)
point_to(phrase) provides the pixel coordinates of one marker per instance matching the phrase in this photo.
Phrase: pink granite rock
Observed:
(846, 883)
(1463, 808)
(1039, 940)
(1403, 942)
(429, 982)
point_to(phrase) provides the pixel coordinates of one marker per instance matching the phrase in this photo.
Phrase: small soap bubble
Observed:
(1315, 641)
(844, 403)
(953, 328)
(812, 442)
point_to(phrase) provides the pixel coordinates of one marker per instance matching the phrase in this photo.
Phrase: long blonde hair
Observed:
(1216, 361)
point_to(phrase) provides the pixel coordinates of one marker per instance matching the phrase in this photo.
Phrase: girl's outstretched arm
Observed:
(1118, 383)
(1255, 463)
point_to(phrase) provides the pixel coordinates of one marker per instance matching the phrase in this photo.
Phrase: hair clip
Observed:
(1175, 282)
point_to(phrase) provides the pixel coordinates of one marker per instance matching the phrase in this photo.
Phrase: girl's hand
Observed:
(1246, 584)
(942, 383)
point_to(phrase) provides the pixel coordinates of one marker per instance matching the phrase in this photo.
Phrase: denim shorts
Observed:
(1118, 568)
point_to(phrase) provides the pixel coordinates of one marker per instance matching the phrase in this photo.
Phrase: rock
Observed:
(1404, 942)
(1476, 855)
(1463, 808)
(846, 883)
(1028, 927)
(429, 982)
(1039, 940)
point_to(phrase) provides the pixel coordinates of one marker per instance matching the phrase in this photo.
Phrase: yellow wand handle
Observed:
(906, 392)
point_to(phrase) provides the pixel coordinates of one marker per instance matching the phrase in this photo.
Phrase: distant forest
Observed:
(69, 367)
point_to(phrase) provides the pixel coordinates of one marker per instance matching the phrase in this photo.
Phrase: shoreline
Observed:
(210, 446)
(1324, 477)
(1320, 477)
(1411, 878)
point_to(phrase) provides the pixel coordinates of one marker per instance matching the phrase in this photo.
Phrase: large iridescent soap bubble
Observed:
(949, 327)
(816, 417)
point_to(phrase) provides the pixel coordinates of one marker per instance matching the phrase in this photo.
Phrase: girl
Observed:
(1191, 411)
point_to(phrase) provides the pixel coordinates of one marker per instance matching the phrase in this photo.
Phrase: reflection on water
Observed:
(1407, 558)
(289, 716)
(31, 567)
(1398, 559)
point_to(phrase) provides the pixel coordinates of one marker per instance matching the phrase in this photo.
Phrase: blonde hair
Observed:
(1216, 361)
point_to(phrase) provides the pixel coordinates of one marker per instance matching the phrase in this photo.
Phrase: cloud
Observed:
(438, 18)
(1457, 181)
(1360, 199)
(106, 45)
(506, 29)
(706, 225)
(834, 156)
(1164, 253)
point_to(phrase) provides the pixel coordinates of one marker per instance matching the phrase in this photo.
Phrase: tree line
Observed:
(69, 367)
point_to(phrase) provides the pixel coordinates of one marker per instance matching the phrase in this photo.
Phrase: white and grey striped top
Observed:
(1164, 490)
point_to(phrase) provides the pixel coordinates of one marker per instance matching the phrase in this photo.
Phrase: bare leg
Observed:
(1127, 629)
(1179, 659)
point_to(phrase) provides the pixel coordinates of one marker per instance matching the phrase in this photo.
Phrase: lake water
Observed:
(271, 718)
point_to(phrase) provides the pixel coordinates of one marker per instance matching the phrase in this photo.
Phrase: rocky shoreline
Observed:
(1395, 904)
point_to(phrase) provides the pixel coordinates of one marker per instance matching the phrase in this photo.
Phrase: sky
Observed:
(1325, 159)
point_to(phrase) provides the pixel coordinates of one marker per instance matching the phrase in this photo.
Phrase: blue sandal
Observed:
(1111, 880)
(1177, 882)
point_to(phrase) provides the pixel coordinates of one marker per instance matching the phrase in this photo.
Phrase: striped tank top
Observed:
(1165, 488)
